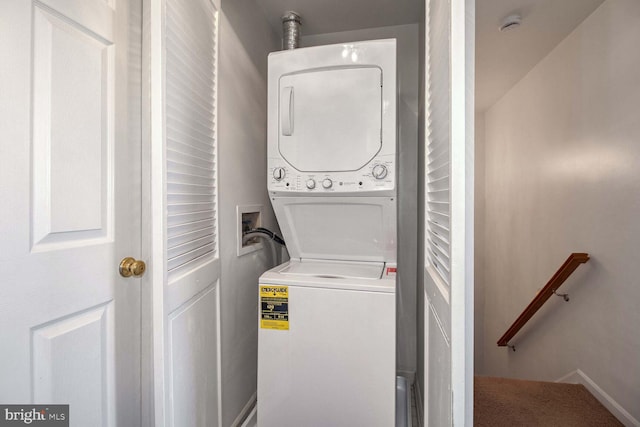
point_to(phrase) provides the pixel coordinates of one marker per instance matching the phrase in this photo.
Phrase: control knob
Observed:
(379, 171)
(311, 184)
(327, 183)
(278, 174)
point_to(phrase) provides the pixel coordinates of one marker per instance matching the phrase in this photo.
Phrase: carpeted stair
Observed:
(511, 402)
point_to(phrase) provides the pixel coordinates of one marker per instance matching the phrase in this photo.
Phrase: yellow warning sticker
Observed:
(274, 307)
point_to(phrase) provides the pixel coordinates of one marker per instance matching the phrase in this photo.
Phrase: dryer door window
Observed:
(331, 119)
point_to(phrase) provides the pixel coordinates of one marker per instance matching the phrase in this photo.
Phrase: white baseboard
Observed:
(579, 377)
(245, 412)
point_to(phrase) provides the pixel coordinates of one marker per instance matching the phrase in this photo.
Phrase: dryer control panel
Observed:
(378, 175)
(332, 123)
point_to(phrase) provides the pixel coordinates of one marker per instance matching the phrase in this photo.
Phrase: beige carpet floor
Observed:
(510, 402)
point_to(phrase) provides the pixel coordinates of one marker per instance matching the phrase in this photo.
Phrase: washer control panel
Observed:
(376, 176)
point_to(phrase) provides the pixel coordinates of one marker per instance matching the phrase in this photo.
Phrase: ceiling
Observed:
(502, 58)
(330, 16)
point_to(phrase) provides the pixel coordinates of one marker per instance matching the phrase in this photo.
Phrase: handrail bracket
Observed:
(564, 296)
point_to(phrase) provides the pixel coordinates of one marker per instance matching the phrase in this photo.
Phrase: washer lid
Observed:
(334, 269)
(338, 228)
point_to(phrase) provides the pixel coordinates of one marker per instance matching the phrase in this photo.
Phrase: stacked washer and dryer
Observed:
(326, 341)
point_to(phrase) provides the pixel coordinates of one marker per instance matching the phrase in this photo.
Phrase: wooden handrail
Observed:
(569, 266)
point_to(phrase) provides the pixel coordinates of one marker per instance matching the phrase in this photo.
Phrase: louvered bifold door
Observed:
(437, 237)
(448, 213)
(187, 375)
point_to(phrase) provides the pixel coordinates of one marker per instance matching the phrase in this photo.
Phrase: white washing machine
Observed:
(326, 341)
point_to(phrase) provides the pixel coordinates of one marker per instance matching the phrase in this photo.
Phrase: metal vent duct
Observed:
(291, 24)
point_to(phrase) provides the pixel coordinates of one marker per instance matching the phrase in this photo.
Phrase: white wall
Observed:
(245, 41)
(479, 249)
(562, 175)
(407, 39)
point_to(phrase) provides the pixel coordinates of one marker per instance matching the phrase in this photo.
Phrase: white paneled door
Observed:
(70, 207)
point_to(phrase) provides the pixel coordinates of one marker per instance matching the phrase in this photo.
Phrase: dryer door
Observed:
(330, 119)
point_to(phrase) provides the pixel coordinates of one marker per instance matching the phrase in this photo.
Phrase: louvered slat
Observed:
(192, 245)
(441, 195)
(181, 167)
(188, 189)
(184, 90)
(440, 242)
(192, 197)
(178, 142)
(440, 266)
(438, 160)
(185, 228)
(178, 21)
(440, 254)
(438, 226)
(184, 110)
(438, 171)
(183, 178)
(185, 208)
(184, 261)
(186, 218)
(189, 159)
(438, 183)
(191, 132)
(182, 114)
(190, 236)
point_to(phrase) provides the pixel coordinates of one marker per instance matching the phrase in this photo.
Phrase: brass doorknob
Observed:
(132, 267)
